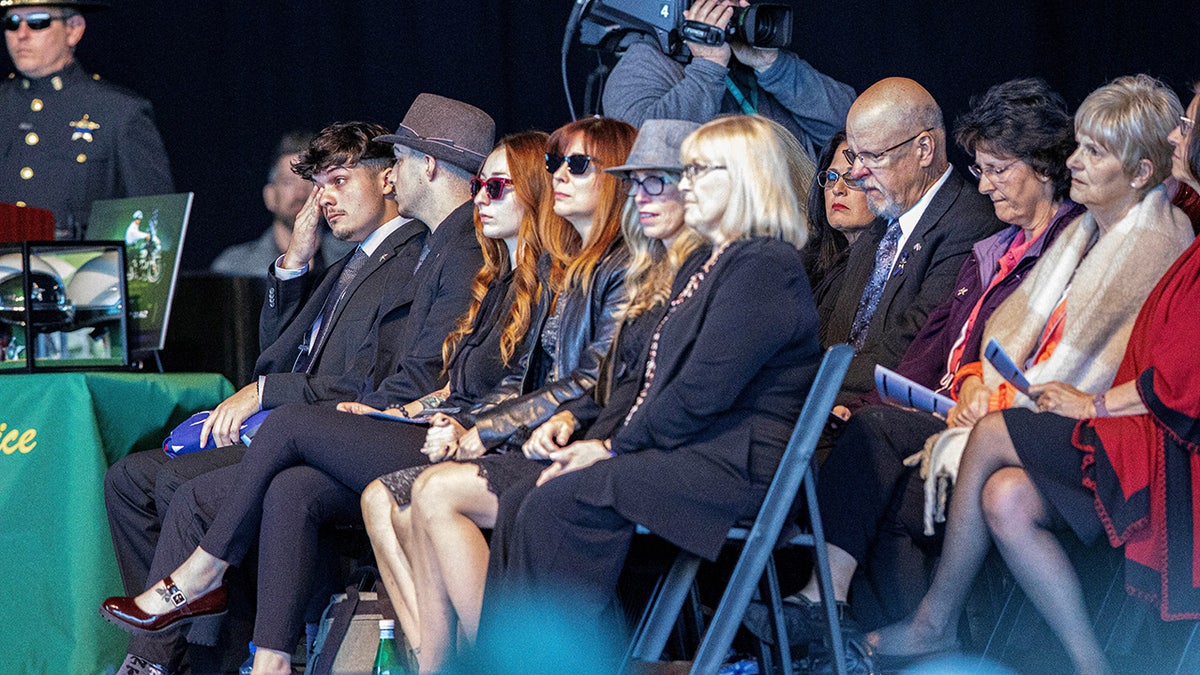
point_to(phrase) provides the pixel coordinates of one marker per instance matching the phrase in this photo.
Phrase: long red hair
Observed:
(608, 142)
(531, 187)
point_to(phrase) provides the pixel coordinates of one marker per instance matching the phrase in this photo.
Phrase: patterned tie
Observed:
(345, 279)
(884, 256)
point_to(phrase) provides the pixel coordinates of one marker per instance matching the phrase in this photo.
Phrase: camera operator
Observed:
(728, 78)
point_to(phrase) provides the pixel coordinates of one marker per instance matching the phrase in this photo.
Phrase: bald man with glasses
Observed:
(70, 138)
(928, 217)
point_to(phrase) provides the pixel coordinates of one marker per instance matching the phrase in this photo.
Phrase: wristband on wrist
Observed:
(1098, 404)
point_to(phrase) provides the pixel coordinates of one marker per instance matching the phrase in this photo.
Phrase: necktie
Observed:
(344, 280)
(884, 256)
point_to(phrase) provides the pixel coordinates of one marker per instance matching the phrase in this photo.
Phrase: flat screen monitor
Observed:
(153, 228)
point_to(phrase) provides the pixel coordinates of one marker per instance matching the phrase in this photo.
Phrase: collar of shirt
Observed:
(910, 218)
(384, 231)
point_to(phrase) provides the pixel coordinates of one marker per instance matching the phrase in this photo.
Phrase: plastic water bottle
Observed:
(247, 665)
(387, 657)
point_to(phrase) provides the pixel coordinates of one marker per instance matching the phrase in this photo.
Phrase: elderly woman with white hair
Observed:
(1024, 476)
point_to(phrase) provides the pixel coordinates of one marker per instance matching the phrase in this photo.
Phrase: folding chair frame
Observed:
(754, 565)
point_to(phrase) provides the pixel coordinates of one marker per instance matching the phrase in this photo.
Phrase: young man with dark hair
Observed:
(312, 326)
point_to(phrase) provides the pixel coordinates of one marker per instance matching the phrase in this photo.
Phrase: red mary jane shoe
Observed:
(123, 612)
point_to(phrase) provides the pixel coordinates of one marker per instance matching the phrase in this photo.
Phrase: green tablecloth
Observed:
(58, 434)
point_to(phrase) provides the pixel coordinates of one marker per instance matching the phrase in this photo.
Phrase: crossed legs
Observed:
(433, 556)
(994, 497)
(388, 524)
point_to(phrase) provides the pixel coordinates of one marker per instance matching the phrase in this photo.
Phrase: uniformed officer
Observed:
(66, 138)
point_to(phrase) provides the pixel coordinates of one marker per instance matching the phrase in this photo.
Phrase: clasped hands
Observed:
(550, 441)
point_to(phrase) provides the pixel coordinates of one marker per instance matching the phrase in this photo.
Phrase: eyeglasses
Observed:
(35, 21)
(651, 185)
(695, 169)
(995, 175)
(576, 164)
(1186, 124)
(829, 178)
(874, 158)
(494, 186)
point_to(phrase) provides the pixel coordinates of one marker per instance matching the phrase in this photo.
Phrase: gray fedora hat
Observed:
(446, 129)
(657, 147)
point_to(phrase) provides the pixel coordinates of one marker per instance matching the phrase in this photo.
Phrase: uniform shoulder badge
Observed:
(83, 129)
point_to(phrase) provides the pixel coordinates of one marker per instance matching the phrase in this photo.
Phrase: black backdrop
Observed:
(227, 78)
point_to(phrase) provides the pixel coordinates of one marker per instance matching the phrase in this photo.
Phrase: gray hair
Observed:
(1131, 117)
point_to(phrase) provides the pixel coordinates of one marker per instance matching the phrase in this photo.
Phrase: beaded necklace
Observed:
(688, 291)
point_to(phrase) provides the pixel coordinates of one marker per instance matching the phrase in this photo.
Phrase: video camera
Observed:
(608, 24)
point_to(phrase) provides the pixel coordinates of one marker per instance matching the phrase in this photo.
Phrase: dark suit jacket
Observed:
(293, 305)
(406, 350)
(922, 278)
(733, 365)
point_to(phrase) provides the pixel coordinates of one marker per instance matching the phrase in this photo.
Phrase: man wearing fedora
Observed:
(438, 148)
(72, 138)
(440, 145)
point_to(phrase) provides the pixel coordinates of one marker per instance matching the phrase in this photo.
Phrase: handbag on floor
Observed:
(348, 635)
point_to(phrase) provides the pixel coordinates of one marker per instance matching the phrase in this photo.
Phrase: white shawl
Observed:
(1106, 280)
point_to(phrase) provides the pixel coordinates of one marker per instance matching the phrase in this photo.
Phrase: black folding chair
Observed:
(754, 565)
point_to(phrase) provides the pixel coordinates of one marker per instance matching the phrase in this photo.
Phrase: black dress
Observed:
(474, 369)
(1051, 460)
(732, 365)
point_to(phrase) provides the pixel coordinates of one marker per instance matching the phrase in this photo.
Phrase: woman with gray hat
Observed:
(451, 502)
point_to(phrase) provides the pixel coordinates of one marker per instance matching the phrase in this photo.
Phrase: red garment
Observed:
(1145, 469)
(1188, 201)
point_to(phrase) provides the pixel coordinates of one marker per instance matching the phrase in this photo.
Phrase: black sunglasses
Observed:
(494, 186)
(576, 164)
(35, 21)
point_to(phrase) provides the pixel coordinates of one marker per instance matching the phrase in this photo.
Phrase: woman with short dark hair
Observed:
(837, 214)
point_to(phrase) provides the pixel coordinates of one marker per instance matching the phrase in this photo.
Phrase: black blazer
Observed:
(733, 366)
(293, 305)
(922, 278)
(403, 358)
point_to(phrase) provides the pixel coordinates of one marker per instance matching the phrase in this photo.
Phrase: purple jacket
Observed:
(926, 359)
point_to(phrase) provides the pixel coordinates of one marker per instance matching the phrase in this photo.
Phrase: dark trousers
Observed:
(872, 507)
(351, 449)
(137, 491)
(306, 467)
(184, 521)
(298, 502)
(564, 558)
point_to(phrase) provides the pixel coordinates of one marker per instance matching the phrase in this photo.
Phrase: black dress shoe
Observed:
(803, 619)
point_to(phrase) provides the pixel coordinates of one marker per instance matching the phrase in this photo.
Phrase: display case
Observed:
(63, 306)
